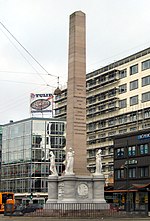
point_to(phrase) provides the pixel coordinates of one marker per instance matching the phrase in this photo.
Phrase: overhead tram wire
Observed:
(21, 72)
(114, 55)
(13, 103)
(26, 50)
(24, 56)
(21, 82)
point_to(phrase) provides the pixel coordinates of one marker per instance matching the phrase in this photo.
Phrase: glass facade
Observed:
(25, 155)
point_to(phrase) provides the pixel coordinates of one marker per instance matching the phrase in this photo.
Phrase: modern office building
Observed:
(132, 170)
(118, 101)
(25, 154)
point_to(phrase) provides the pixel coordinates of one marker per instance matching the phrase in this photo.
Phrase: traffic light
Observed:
(31, 196)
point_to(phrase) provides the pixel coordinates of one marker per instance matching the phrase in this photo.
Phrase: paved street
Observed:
(22, 218)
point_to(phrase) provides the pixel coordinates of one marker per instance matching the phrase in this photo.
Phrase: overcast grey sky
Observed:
(114, 29)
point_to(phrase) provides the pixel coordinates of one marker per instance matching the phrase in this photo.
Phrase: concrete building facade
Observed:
(117, 102)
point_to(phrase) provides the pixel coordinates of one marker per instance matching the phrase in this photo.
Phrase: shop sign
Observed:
(144, 136)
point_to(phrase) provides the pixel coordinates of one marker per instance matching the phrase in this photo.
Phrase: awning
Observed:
(119, 191)
(141, 186)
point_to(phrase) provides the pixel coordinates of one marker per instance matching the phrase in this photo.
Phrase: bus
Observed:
(6, 198)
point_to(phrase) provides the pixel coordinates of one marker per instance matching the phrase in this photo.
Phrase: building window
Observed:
(122, 131)
(133, 100)
(103, 168)
(57, 97)
(102, 124)
(92, 100)
(145, 81)
(144, 149)
(92, 142)
(110, 167)
(122, 119)
(122, 73)
(57, 141)
(91, 82)
(120, 152)
(145, 65)
(133, 85)
(112, 122)
(55, 128)
(133, 117)
(92, 137)
(112, 133)
(36, 141)
(102, 96)
(119, 174)
(111, 76)
(122, 88)
(110, 150)
(134, 69)
(101, 135)
(123, 103)
(58, 111)
(92, 110)
(146, 113)
(132, 172)
(133, 128)
(102, 107)
(112, 93)
(112, 104)
(102, 78)
(131, 151)
(146, 96)
(143, 171)
(92, 126)
(91, 153)
(103, 151)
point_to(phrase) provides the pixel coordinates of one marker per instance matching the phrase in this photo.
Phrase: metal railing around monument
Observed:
(78, 210)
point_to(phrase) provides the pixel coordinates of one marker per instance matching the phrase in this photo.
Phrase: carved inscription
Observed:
(61, 191)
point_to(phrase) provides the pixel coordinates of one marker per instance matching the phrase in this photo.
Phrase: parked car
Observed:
(28, 209)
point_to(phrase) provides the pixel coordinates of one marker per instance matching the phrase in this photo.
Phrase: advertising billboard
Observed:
(41, 103)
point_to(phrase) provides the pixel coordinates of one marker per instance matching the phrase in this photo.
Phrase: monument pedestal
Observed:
(52, 189)
(70, 189)
(98, 187)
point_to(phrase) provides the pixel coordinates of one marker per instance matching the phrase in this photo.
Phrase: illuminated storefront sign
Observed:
(144, 136)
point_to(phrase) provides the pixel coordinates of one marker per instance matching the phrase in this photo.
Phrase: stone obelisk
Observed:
(76, 92)
(76, 185)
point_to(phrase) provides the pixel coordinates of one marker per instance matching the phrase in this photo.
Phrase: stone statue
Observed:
(53, 165)
(98, 162)
(69, 162)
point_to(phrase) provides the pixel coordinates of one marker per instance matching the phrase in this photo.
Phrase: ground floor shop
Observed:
(133, 200)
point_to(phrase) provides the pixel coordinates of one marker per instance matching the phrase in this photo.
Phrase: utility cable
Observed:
(26, 50)
(21, 82)
(24, 56)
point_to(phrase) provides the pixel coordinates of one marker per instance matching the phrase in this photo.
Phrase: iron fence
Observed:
(76, 210)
